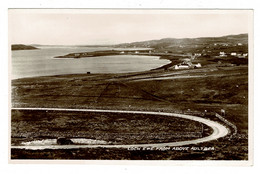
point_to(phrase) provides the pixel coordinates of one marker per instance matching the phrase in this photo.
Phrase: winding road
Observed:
(218, 131)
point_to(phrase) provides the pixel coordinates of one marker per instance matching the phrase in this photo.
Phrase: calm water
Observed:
(31, 63)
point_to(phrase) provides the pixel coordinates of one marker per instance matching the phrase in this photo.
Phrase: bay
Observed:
(41, 62)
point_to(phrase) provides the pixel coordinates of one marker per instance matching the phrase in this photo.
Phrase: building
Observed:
(176, 67)
(233, 54)
(187, 65)
(136, 52)
(221, 44)
(244, 55)
(197, 65)
(197, 54)
(182, 66)
(222, 54)
(122, 52)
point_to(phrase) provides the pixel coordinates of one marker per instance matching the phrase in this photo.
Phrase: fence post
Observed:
(223, 112)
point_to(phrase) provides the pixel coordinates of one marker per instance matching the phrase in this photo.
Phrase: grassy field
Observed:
(211, 88)
(116, 128)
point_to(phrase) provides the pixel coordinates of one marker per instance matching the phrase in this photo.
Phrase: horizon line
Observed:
(128, 42)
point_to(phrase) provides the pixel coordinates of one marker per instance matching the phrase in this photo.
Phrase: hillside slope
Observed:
(168, 42)
(202, 44)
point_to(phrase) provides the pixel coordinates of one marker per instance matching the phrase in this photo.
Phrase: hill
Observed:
(22, 47)
(192, 44)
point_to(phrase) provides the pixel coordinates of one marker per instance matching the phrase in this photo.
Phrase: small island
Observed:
(22, 47)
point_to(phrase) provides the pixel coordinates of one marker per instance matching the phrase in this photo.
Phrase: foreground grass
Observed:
(116, 128)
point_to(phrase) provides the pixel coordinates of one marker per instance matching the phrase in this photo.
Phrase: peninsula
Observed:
(22, 47)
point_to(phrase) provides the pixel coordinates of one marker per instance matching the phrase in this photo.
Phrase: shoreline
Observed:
(155, 70)
(173, 60)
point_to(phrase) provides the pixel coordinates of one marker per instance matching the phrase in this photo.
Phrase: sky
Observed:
(93, 27)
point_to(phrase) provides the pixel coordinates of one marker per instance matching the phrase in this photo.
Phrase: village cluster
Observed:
(214, 50)
(189, 52)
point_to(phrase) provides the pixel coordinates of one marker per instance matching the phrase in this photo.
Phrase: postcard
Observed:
(88, 85)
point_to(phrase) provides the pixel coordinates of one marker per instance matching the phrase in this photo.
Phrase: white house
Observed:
(222, 54)
(176, 67)
(198, 54)
(244, 55)
(136, 52)
(198, 65)
(233, 54)
(182, 66)
(122, 52)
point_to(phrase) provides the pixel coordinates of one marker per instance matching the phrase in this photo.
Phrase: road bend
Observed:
(218, 131)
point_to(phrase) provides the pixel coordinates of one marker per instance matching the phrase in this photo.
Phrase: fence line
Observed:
(228, 123)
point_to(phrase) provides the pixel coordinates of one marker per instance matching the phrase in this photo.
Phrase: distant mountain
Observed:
(184, 42)
(22, 47)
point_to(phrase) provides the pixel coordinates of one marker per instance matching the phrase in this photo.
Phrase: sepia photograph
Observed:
(130, 84)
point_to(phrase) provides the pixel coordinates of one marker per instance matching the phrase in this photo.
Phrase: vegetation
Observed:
(116, 128)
